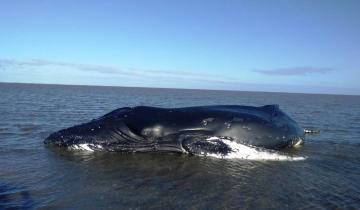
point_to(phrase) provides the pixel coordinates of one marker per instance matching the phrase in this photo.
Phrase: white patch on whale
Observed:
(240, 151)
(86, 147)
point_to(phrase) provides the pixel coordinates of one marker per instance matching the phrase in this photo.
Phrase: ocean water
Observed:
(33, 176)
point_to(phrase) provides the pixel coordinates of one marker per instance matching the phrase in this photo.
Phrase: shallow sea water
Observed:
(33, 176)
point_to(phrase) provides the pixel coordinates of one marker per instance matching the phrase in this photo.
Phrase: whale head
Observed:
(267, 126)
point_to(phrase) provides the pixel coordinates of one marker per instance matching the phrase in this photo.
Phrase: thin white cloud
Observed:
(43, 63)
(294, 71)
(135, 72)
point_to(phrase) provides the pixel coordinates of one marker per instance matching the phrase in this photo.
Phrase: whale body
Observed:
(192, 130)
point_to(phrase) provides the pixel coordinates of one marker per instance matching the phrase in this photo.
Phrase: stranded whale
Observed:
(194, 130)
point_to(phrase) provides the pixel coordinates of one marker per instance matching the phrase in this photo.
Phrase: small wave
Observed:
(27, 128)
(240, 151)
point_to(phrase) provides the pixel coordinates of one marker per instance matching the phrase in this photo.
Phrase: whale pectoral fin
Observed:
(205, 145)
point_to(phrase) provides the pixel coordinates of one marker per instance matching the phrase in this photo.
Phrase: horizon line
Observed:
(170, 88)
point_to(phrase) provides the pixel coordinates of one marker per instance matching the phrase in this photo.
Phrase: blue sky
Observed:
(287, 46)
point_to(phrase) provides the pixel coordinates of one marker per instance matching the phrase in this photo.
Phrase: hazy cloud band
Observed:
(294, 71)
(136, 72)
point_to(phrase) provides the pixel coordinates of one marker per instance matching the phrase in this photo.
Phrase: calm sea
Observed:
(35, 177)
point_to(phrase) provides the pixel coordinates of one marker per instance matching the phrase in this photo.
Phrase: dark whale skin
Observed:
(183, 130)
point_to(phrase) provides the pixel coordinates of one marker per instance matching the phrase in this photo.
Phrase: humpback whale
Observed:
(192, 130)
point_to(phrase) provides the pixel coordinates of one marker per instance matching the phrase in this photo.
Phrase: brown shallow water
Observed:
(35, 177)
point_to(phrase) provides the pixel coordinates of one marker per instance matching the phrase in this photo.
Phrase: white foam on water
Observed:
(85, 147)
(240, 151)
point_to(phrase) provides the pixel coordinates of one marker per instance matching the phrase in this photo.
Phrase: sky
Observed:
(307, 46)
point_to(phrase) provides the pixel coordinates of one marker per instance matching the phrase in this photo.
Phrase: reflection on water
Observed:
(15, 197)
(34, 176)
